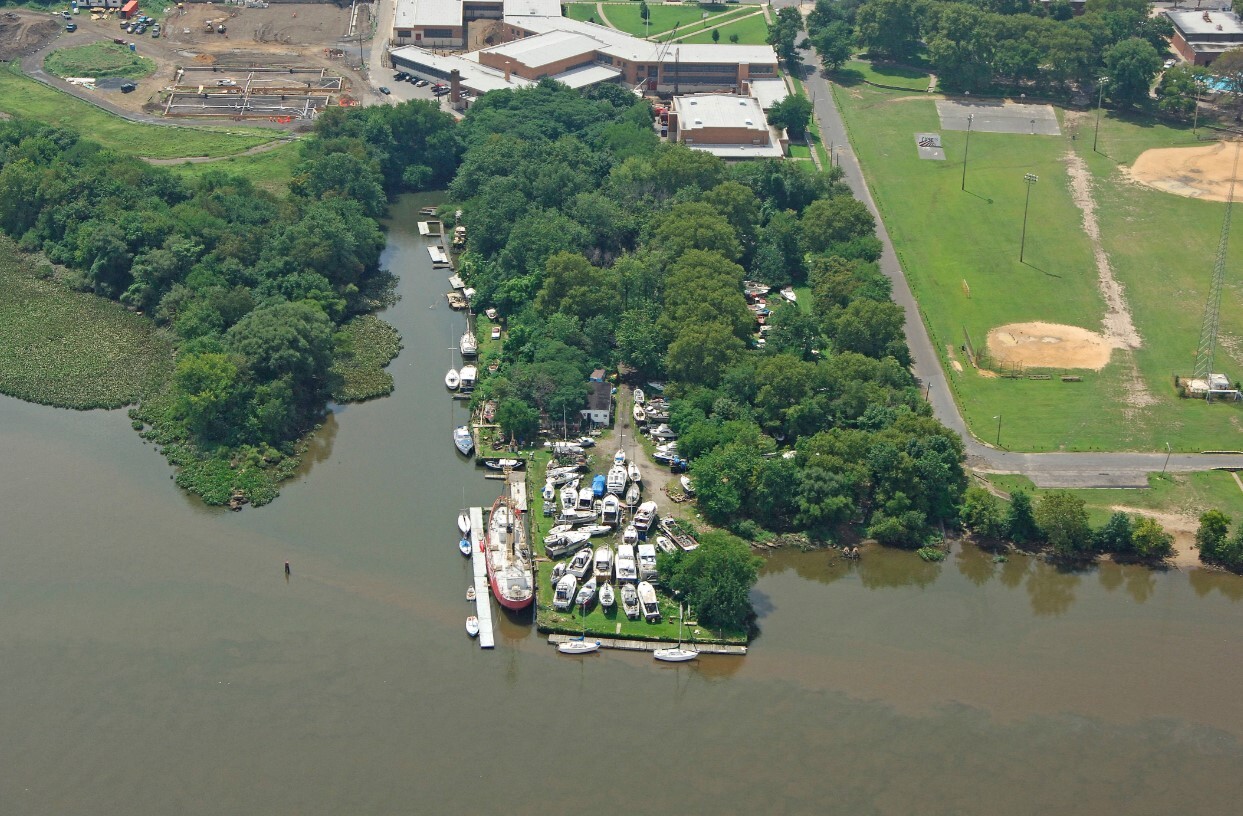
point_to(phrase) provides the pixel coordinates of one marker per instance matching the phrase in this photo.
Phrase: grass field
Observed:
(625, 16)
(72, 349)
(752, 30)
(99, 59)
(857, 71)
(1190, 493)
(1161, 247)
(22, 96)
(270, 170)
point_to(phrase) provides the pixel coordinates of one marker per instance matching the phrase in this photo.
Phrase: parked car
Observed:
(128, 87)
(420, 83)
(384, 90)
(71, 26)
(399, 76)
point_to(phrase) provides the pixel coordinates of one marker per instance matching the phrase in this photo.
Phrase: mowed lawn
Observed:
(22, 96)
(625, 16)
(752, 30)
(945, 236)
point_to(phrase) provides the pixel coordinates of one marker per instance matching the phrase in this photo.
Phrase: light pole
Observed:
(1195, 117)
(1100, 98)
(966, 147)
(1029, 179)
(1167, 458)
(999, 430)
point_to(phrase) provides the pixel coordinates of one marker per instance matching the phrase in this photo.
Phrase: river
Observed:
(155, 660)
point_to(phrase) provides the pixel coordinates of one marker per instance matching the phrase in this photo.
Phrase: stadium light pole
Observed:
(998, 418)
(1100, 99)
(966, 148)
(1029, 179)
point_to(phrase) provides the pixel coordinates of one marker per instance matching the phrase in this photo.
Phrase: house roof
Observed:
(550, 47)
(600, 398)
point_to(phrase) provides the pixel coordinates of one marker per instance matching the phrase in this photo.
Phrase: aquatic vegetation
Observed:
(72, 349)
(365, 346)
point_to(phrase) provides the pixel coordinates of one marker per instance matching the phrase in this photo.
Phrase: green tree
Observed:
(1211, 534)
(1116, 535)
(793, 114)
(697, 225)
(207, 390)
(716, 579)
(644, 12)
(1064, 521)
(870, 327)
(981, 513)
(1021, 526)
(716, 35)
(962, 47)
(830, 221)
(702, 352)
(890, 28)
(1150, 541)
(1131, 64)
(783, 33)
(835, 43)
(518, 420)
(1178, 91)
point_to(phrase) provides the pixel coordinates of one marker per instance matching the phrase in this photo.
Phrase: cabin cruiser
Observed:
(644, 516)
(616, 480)
(647, 562)
(603, 569)
(580, 564)
(563, 596)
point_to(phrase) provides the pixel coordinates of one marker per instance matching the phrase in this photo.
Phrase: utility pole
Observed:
(999, 430)
(1167, 458)
(1029, 179)
(1100, 98)
(1212, 307)
(966, 148)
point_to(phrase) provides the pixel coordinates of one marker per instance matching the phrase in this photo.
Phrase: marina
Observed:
(479, 569)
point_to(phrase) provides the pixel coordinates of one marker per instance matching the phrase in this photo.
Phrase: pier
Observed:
(651, 645)
(483, 592)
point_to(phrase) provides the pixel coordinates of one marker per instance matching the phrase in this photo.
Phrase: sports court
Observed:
(999, 117)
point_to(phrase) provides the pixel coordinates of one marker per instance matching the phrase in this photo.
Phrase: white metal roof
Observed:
(427, 13)
(1217, 22)
(702, 111)
(542, 49)
(769, 151)
(475, 77)
(533, 8)
(587, 75)
(769, 92)
(621, 45)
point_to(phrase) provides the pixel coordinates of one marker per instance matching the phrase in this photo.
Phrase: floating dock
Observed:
(650, 645)
(483, 592)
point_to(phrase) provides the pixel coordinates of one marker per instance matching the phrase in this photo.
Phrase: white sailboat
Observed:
(463, 522)
(586, 593)
(632, 470)
(452, 379)
(678, 655)
(607, 597)
(469, 344)
(578, 646)
(639, 396)
(472, 626)
(619, 458)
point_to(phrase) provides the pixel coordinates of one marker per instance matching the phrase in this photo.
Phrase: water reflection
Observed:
(1141, 583)
(974, 564)
(1051, 589)
(1205, 582)
(319, 448)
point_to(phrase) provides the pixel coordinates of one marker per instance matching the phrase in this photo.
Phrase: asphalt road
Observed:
(1045, 469)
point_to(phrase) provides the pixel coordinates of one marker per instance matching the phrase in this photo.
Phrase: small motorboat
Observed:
(580, 564)
(632, 470)
(470, 593)
(607, 597)
(464, 546)
(619, 458)
(610, 511)
(569, 499)
(686, 485)
(452, 380)
(630, 601)
(630, 535)
(577, 517)
(472, 626)
(647, 600)
(463, 440)
(501, 464)
(578, 646)
(558, 570)
(463, 522)
(594, 530)
(666, 544)
(603, 569)
(468, 375)
(563, 595)
(468, 345)
(549, 493)
(615, 482)
(640, 416)
(639, 396)
(586, 593)
(645, 515)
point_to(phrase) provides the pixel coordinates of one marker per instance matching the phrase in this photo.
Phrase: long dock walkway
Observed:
(483, 592)
(653, 645)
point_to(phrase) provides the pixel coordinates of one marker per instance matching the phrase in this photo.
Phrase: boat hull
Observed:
(502, 600)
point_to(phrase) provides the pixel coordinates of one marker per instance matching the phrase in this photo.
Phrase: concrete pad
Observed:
(999, 117)
(928, 145)
(1081, 479)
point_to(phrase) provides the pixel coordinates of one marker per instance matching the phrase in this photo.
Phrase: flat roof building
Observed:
(1201, 36)
(725, 125)
(529, 39)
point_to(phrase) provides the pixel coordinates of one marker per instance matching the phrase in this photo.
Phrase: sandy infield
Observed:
(1049, 345)
(1195, 172)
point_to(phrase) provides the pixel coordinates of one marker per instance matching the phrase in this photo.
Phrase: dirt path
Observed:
(1180, 525)
(730, 21)
(604, 18)
(656, 479)
(263, 148)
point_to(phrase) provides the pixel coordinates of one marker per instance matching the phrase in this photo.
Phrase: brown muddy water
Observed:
(154, 660)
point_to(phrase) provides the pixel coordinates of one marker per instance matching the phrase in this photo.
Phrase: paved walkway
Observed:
(1045, 469)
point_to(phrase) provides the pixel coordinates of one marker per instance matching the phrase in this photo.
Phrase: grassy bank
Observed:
(22, 96)
(99, 59)
(72, 349)
(1161, 248)
(270, 170)
(1185, 493)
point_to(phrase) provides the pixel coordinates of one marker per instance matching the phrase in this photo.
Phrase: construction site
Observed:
(285, 94)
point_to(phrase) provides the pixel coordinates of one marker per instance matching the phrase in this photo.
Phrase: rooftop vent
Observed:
(699, 121)
(749, 122)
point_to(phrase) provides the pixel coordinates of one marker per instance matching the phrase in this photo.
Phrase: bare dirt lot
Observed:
(1194, 172)
(1049, 345)
(286, 34)
(24, 31)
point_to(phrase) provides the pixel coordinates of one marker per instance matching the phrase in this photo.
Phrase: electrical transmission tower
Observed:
(1212, 308)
